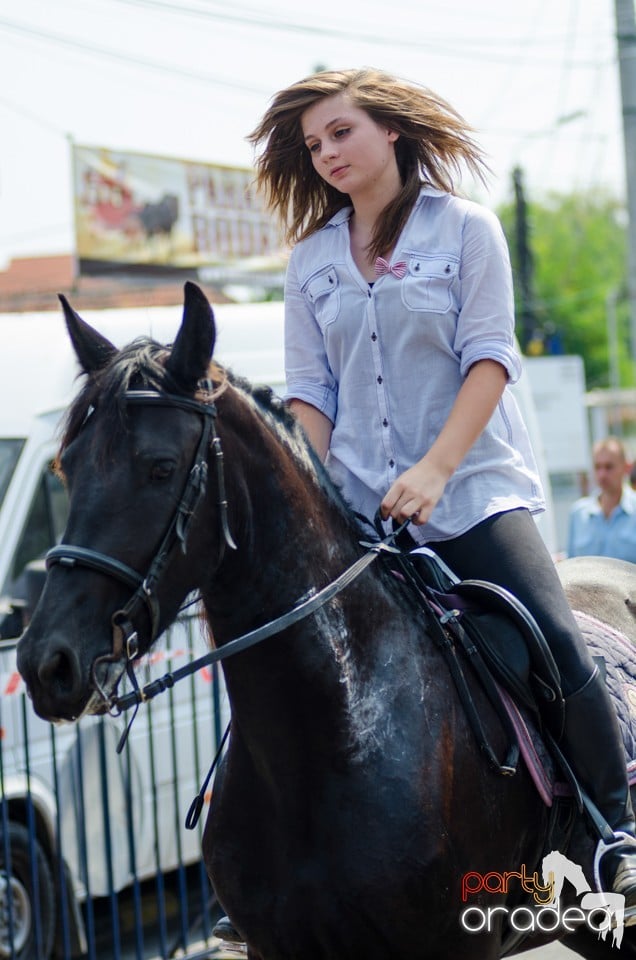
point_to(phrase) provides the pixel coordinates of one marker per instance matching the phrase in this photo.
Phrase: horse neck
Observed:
(293, 531)
(294, 538)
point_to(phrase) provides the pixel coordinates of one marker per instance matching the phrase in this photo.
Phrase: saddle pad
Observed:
(620, 663)
(620, 667)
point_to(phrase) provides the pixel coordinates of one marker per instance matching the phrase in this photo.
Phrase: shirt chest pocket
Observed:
(322, 291)
(428, 283)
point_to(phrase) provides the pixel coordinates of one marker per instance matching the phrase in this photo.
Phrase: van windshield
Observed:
(9, 453)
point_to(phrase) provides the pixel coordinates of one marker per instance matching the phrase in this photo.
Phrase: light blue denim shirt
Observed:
(592, 534)
(385, 362)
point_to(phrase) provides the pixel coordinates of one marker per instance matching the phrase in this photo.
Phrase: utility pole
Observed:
(524, 262)
(626, 38)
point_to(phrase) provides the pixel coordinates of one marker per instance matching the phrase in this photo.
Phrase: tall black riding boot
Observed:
(225, 930)
(593, 746)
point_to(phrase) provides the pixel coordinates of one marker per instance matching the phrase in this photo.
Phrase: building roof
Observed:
(32, 284)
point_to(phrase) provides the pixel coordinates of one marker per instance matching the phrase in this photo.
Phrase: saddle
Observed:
(498, 637)
(503, 644)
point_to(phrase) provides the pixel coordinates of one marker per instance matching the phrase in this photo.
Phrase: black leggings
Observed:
(507, 549)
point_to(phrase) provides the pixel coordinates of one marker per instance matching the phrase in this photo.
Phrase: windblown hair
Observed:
(434, 142)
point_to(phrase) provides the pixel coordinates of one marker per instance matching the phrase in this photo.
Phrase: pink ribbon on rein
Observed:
(383, 266)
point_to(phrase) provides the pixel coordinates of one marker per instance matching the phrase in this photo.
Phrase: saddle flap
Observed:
(490, 596)
(497, 625)
(511, 641)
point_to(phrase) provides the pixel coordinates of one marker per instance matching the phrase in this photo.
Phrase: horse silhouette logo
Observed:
(556, 869)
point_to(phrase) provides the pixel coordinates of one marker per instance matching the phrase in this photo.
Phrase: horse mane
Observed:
(275, 416)
(141, 365)
(276, 413)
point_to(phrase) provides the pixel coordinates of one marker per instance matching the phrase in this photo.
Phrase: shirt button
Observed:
(379, 379)
(385, 422)
(391, 463)
(374, 337)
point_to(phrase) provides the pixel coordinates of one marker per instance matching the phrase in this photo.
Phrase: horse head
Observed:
(134, 457)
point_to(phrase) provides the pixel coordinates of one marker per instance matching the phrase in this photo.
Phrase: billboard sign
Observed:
(138, 212)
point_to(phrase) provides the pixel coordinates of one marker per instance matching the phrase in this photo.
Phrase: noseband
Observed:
(125, 638)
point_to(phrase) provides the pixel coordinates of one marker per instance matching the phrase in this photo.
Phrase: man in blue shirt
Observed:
(604, 524)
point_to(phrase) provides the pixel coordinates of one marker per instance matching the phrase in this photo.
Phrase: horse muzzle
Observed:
(60, 688)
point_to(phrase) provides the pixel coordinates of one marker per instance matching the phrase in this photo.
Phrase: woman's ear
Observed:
(392, 136)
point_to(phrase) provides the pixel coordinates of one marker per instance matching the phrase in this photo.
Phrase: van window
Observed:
(9, 452)
(43, 529)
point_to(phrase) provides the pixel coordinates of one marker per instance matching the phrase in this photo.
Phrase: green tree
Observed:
(578, 244)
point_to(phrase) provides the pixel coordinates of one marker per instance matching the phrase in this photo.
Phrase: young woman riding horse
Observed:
(399, 352)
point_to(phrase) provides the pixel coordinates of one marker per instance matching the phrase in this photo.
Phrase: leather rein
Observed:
(125, 638)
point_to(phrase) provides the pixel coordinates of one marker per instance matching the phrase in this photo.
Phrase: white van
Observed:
(50, 777)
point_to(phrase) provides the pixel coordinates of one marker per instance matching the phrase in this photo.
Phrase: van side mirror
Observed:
(35, 575)
(16, 612)
(12, 618)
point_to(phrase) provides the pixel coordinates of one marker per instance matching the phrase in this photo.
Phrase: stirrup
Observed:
(620, 839)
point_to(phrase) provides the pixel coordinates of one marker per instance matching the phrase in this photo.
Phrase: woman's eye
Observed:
(342, 131)
(313, 147)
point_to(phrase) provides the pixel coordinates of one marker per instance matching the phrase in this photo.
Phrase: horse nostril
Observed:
(59, 673)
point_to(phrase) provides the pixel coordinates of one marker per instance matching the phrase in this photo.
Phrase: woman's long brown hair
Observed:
(434, 141)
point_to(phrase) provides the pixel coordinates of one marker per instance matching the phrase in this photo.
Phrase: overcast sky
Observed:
(190, 78)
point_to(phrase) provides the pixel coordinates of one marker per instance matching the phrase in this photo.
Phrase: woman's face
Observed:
(348, 149)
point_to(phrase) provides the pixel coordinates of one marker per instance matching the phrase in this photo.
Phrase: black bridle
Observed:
(125, 637)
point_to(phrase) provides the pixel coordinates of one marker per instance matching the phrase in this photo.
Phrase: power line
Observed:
(136, 61)
(254, 18)
(435, 46)
(30, 115)
(506, 90)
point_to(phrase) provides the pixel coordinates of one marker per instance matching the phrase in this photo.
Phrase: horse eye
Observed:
(161, 470)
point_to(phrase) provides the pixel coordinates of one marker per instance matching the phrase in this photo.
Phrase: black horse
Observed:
(352, 802)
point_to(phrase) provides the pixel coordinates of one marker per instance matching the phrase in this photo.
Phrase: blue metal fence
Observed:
(95, 859)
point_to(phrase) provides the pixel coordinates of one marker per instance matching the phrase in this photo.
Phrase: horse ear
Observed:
(190, 356)
(93, 350)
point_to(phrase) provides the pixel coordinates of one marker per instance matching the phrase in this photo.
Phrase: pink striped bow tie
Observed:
(383, 266)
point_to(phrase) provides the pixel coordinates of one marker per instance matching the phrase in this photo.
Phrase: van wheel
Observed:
(18, 897)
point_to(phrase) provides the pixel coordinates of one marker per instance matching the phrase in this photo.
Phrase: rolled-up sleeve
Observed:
(307, 370)
(485, 325)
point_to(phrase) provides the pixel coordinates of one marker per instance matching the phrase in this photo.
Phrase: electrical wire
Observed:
(435, 46)
(31, 115)
(254, 18)
(133, 60)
